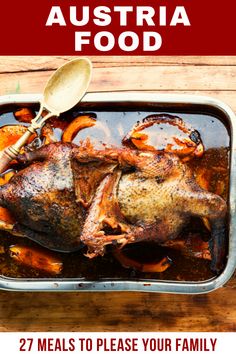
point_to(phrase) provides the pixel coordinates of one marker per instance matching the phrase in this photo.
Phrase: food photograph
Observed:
(117, 193)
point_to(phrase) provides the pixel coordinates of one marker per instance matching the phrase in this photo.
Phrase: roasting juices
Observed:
(211, 172)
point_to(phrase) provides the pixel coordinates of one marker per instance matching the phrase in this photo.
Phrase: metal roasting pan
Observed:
(137, 101)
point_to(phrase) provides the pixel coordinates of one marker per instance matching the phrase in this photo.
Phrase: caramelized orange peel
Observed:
(6, 219)
(75, 126)
(140, 141)
(36, 258)
(24, 115)
(9, 134)
(155, 267)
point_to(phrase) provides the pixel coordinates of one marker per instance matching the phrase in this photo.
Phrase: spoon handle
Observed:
(11, 152)
(5, 159)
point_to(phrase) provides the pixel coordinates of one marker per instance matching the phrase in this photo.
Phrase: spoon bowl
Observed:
(67, 85)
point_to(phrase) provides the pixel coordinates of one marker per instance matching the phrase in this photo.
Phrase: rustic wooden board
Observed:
(214, 76)
(26, 63)
(168, 78)
(118, 311)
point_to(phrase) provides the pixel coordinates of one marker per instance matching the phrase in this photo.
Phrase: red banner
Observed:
(130, 27)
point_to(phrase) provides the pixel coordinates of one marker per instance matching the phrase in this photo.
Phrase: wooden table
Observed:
(214, 76)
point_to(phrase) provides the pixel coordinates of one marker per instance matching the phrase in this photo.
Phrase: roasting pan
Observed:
(154, 102)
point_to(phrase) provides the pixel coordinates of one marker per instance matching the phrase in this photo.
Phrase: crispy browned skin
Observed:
(155, 200)
(41, 198)
(70, 194)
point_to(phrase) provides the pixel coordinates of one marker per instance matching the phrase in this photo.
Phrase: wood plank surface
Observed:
(118, 312)
(164, 78)
(36, 63)
(216, 311)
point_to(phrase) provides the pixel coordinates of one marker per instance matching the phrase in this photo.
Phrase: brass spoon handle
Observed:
(5, 159)
(11, 152)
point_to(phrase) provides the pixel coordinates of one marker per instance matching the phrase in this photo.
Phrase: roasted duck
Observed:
(66, 196)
